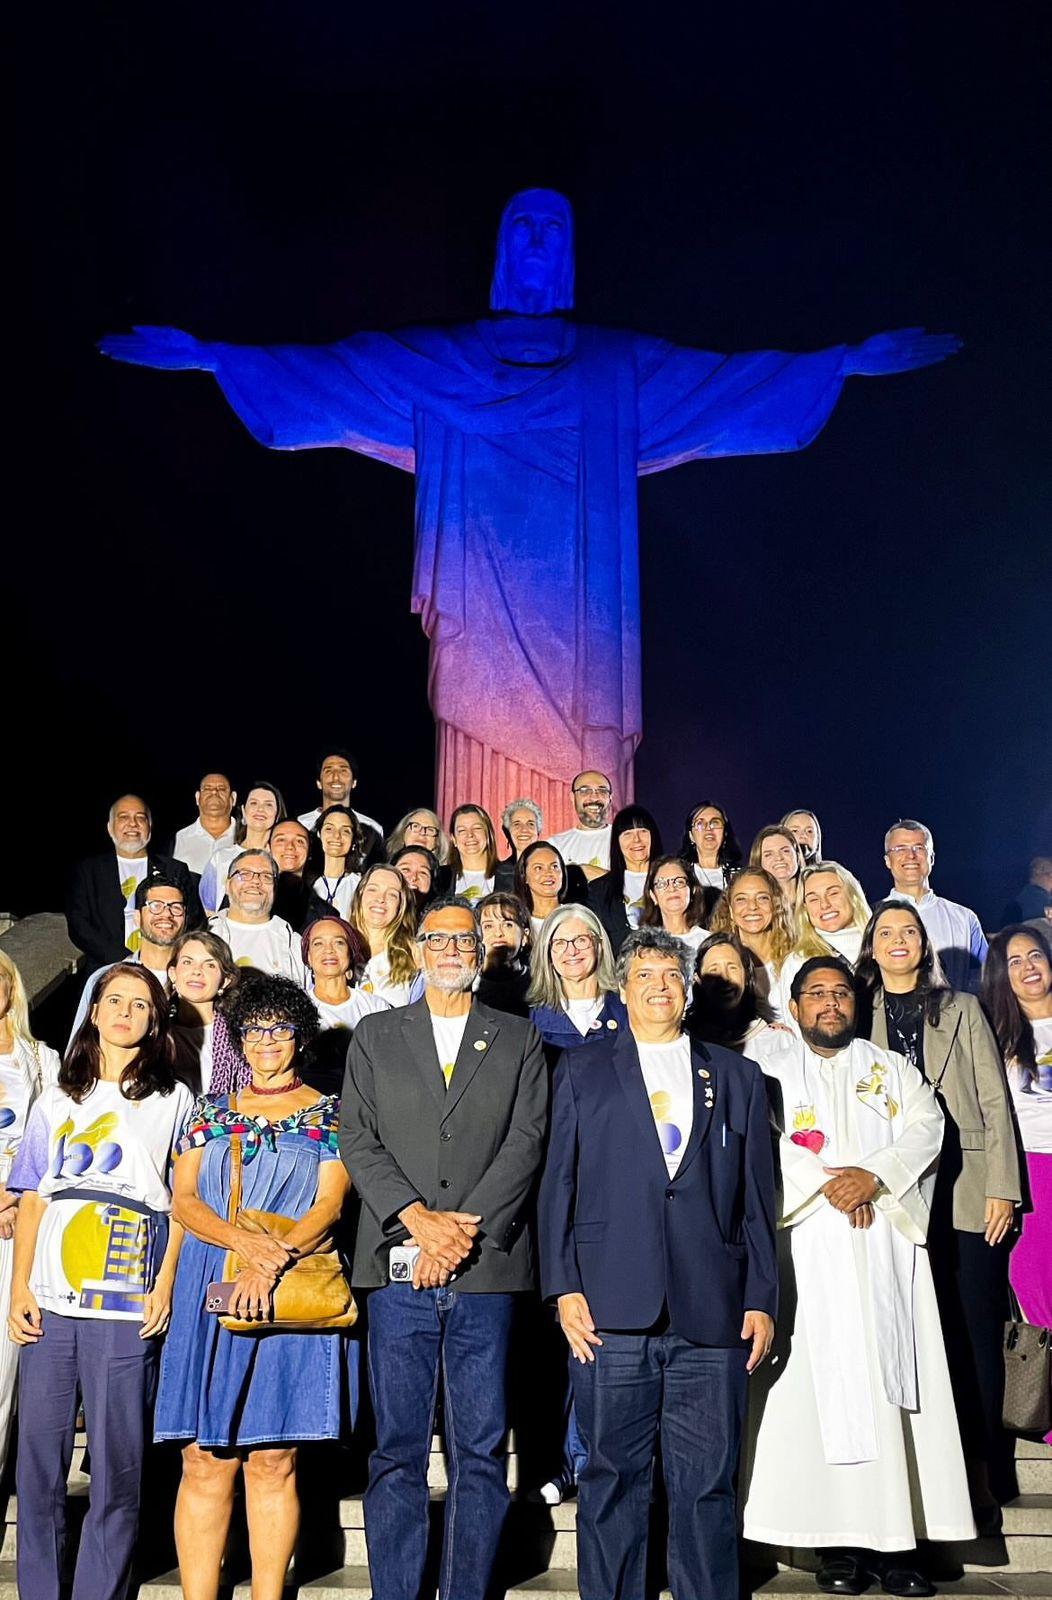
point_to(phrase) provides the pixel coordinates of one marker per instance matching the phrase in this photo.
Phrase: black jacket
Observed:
(95, 905)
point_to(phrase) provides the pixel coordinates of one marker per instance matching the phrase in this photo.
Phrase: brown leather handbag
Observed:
(311, 1296)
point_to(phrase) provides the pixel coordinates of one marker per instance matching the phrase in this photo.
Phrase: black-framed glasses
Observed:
(155, 907)
(280, 1032)
(249, 875)
(580, 941)
(422, 827)
(465, 942)
(671, 883)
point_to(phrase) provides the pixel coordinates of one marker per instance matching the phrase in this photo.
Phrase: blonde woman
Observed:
(26, 1067)
(753, 906)
(807, 831)
(383, 911)
(831, 917)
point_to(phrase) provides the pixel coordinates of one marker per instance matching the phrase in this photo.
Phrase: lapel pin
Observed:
(703, 1072)
(612, 1023)
(480, 1044)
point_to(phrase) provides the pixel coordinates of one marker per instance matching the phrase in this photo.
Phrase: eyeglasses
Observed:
(671, 883)
(908, 850)
(839, 995)
(422, 827)
(599, 791)
(280, 1032)
(465, 942)
(581, 941)
(244, 875)
(155, 907)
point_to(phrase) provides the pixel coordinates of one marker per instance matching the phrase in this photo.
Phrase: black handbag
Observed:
(1027, 1406)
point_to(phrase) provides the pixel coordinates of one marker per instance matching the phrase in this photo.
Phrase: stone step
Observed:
(1034, 1474)
(352, 1583)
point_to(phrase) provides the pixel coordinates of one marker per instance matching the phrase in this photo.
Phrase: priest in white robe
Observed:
(854, 1445)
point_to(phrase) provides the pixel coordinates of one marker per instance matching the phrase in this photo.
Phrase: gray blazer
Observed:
(476, 1146)
(963, 1064)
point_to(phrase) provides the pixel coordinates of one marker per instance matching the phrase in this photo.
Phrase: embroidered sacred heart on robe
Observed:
(804, 1130)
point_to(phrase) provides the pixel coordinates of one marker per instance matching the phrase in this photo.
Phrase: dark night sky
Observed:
(862, 627)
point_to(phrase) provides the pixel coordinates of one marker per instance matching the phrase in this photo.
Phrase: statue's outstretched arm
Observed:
(168, 348)
(901, 350)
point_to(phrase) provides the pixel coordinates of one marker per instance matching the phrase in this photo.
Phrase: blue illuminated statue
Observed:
(526, 432)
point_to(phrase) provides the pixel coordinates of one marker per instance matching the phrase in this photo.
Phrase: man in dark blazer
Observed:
(656, 1234)
(442, 1130)
(101, 902)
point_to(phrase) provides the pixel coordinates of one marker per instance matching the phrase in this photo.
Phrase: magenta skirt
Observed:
(1030, 1264)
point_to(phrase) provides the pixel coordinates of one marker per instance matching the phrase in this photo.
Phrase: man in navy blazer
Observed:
(656, 1235)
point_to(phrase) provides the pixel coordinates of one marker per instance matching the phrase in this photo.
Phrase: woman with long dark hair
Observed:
(341, 847)
(617, 896)
(946, 1037)
(710, 845)
(507, 938)
(203, 974)
(473, 853)
(1017, 997)
(95, 1260)
(541, 881)
(674, 901)
(725, 1007)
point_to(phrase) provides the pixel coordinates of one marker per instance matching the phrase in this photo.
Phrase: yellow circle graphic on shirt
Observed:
(104, 1245)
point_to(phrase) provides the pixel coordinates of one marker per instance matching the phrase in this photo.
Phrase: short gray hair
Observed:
(911, 825)
(450, 901)
(243, 855)
(525, 804)
(640, 940)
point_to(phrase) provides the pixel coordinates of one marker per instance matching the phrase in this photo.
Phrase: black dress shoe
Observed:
(906, 1581)
(843, 1575)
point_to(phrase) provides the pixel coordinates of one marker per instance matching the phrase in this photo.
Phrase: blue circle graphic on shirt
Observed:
(7, 1116)
(78, 1159)
(108, 1157)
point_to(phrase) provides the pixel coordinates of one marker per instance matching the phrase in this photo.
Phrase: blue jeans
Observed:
(414, 1336)
(638, 1385)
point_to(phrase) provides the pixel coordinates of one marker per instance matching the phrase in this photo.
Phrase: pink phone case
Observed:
(217, 1297)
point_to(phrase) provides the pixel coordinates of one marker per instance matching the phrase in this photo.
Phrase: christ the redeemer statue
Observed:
(526, 432)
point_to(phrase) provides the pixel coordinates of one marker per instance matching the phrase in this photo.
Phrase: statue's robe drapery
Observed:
(526, 569)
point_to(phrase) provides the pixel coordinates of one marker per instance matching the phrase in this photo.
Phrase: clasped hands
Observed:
(265, 1259)
(852, 1190)
(445, 1240)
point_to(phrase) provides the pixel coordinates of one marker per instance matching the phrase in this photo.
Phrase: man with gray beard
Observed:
(442, 1130)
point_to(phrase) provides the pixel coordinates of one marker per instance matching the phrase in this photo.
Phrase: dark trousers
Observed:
(971, 1286)
(641, 1385)
(416, 1335)
(117, 1376)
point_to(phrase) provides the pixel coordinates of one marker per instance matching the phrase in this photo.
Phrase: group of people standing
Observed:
(770, 1156)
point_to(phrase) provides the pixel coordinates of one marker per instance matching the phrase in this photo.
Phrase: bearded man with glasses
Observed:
(860, 1401)
(442, 1131)
(257, 938)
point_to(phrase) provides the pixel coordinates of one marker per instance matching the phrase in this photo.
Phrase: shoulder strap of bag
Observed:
(1014, 1308)
(235, 1171)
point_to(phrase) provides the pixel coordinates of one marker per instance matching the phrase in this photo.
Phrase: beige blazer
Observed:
(963, 1065)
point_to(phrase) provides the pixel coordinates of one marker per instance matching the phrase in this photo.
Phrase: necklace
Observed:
(282, 1088)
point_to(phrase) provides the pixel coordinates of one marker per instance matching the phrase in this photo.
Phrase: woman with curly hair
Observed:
(383, 911)
(94, 1265)
(754, 907)
(236, 1400)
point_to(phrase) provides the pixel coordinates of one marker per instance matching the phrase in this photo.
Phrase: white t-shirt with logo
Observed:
(473, 885)
(449, 1035)
(92, 1256)
(269, 946)
(348, 1013)
(634, 882)
(584, 847)
(130, 872)
(668, 1075)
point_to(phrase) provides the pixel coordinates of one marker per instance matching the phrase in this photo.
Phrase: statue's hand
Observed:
(899, 351)
(169, 348)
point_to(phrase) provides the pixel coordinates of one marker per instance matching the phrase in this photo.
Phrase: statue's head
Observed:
(533, 274)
